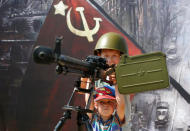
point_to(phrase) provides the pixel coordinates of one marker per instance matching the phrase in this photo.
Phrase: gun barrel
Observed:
(45, 55)
(74, 63)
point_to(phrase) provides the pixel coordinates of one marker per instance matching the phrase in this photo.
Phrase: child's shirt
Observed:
(113, 124)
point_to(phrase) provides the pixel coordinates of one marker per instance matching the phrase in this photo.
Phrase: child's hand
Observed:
(112, 78)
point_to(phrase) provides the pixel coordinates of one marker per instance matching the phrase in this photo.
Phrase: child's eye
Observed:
(101, 102)
(106, 102)
(109, 102)
(105, 56)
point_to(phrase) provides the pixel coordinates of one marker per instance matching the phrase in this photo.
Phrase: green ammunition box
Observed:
(142, 73)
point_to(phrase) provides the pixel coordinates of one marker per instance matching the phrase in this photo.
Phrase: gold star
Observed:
(60, 8)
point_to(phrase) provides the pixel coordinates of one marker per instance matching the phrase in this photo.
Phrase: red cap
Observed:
(105, 92)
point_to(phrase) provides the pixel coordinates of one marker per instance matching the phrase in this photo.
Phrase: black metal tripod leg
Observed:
(66, 115)
(83, 122)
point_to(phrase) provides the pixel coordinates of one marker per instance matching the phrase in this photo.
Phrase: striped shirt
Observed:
(113, 124)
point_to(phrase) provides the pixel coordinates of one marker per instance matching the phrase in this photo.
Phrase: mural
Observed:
(166, 110)
(20, 24)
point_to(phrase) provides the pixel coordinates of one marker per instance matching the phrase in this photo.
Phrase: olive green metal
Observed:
(142, 73)
(113, 41)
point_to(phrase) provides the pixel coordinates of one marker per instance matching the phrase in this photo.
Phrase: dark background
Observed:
(27, 104)
(20, 23)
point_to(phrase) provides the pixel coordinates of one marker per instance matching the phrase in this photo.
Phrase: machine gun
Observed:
(92, 68)
(133, 74)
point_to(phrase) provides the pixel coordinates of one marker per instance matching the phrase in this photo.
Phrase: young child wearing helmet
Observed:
(110, 46)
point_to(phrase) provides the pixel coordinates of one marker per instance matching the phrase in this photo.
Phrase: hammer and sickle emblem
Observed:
(141, 71)
(86, 32)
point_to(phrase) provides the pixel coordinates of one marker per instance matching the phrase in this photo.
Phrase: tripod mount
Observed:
(91, 68)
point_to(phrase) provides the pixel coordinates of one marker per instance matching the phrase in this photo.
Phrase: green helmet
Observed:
(111, 40)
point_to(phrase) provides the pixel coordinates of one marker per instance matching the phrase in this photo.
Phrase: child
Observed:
(110, 108)
(111, 46)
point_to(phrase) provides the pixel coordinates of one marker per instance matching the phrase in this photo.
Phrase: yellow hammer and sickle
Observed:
(86, 32)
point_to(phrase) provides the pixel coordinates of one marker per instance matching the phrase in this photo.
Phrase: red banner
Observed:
(43, 93)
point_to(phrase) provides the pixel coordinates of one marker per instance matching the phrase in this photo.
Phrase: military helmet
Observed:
(111, 40)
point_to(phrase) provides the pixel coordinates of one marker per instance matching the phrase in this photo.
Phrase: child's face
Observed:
(112, 56)
(105, 107)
